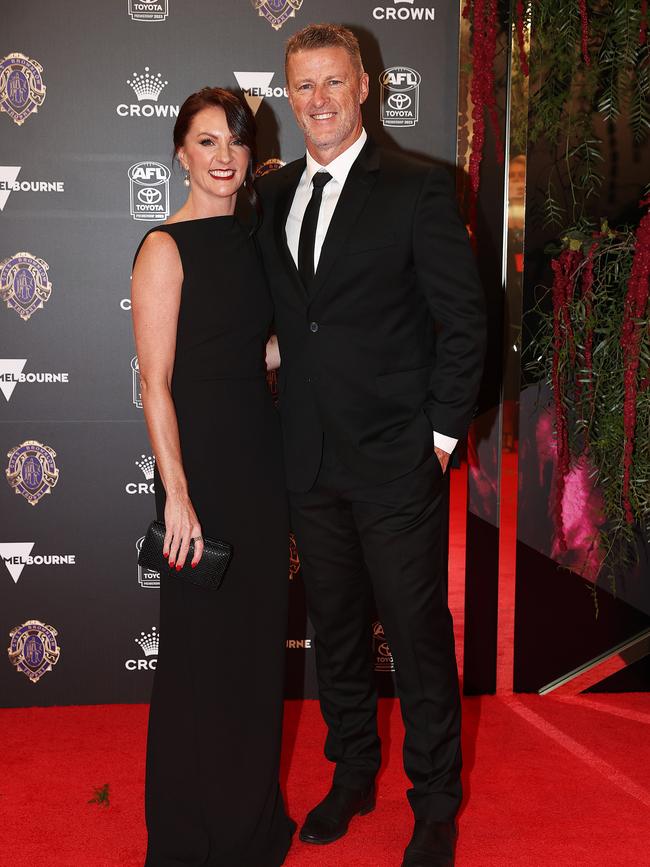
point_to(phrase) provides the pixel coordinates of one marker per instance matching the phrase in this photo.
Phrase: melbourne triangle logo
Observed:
(14, 555)
(8, 175)
(10, 370)
(254, 85)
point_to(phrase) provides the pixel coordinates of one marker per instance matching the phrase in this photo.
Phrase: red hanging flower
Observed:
(521, 41)
(484, 38)
(643, 27)
(483, 16)
(587, 283)
(634, 310)
(564, 268)
(585, 31)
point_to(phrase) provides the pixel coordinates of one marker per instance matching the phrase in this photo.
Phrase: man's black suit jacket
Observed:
(388, 345)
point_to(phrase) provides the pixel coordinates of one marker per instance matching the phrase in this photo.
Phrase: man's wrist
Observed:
(443, 442)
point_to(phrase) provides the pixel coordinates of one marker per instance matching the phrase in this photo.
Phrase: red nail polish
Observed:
(178, 567)
(171, 564)
(193, 565)
(165, 555)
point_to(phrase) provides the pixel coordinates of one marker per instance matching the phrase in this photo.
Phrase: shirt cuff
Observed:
(447, 444)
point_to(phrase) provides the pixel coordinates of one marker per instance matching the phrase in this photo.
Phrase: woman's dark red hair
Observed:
(240, 120)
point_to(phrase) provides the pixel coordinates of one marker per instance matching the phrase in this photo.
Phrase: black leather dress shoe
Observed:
(329, 820)
(432, 845)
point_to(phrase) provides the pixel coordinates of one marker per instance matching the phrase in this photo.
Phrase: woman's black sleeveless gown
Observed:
(212, 795)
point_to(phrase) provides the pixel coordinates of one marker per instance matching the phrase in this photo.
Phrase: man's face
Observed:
(326, 92)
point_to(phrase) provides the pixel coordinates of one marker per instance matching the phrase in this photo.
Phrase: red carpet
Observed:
(548, 782)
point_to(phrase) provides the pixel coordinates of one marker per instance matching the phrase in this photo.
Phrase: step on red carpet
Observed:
(547, 782)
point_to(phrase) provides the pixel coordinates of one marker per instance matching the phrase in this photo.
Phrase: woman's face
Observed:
(215, 158)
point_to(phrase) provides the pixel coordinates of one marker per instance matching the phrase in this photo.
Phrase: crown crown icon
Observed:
(147, 465)
(149, 642)
(147, 86)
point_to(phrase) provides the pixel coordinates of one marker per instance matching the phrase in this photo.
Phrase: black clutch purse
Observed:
(209, 571)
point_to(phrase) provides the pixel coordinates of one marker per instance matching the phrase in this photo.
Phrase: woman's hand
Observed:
(181, 525)
(272, 353)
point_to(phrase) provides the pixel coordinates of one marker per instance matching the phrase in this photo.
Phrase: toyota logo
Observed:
(399, 101)
(149, 196)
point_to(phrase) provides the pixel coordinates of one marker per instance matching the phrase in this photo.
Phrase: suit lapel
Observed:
(282, 208)
(352, 200)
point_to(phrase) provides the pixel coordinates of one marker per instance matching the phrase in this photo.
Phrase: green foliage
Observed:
(567, 94)
(101, 796)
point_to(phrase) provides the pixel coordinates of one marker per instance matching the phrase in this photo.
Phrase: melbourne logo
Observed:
(146, 465)
(21, 86)
(298, 644)
(136, 383)
(149, 187)
(148, 10)
(276, 12)
(17, 555)
(33, 649)
(32, 471)
(147, 87)
(257, 85)
(403, 10)
(380, 649)
(400, 96)
(148, 644)
(24, 284)
(9, 184)
(11, 373)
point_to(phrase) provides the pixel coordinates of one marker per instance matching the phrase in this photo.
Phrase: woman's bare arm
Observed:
(155, 302)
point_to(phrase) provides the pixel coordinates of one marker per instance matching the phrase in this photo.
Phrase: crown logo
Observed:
(149, 642)
(147, 86)
(410, 2)
(147, 465)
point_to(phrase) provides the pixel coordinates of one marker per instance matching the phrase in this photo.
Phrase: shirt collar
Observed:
(340, 167)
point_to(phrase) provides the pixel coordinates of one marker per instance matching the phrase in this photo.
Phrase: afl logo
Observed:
(148, 10)
(381, 650)
(149, 191)
(400, 94)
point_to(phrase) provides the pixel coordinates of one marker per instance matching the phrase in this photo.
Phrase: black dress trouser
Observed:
(357, 540)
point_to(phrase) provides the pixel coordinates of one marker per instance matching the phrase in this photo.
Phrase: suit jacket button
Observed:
(313, 326)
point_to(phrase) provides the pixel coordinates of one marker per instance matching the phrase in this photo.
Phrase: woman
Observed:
(201, 315)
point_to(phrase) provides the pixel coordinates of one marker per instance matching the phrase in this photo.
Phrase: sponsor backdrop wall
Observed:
(88, 96)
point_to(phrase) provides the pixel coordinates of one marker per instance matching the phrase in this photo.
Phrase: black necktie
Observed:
(308, 228)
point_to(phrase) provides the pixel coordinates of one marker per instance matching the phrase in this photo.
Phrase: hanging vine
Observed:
(593, 350)
(588, 66)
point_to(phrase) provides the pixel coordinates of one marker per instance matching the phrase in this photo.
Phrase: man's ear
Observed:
(364, 88)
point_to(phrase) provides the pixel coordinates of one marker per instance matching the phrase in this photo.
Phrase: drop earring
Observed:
(186, 179)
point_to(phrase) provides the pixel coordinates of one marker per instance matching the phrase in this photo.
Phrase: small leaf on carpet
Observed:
(101, 796)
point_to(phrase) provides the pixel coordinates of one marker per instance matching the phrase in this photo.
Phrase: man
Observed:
(380, 321)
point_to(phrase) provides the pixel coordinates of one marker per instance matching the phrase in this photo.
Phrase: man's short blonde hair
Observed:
(325, 36)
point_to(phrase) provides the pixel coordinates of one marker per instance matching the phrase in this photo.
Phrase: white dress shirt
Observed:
(339, 169)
